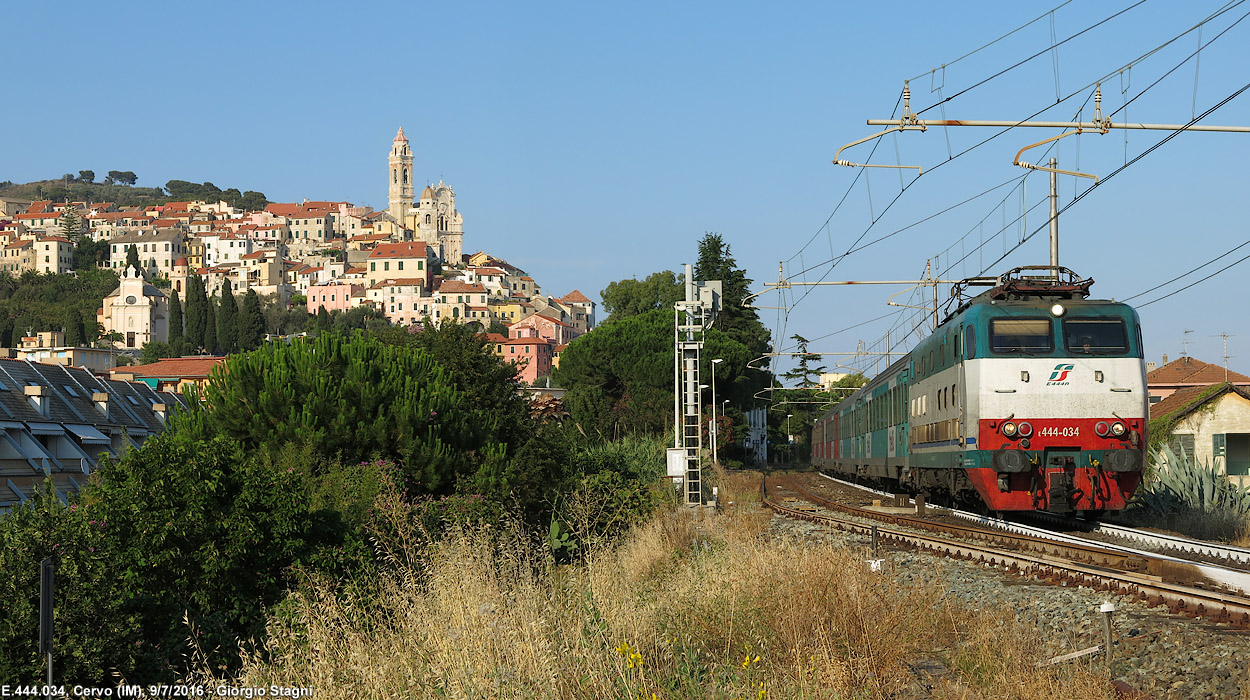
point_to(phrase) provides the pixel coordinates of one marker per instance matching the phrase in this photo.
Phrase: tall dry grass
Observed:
(691, 605)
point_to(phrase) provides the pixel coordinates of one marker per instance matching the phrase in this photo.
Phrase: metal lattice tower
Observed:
(693, 316)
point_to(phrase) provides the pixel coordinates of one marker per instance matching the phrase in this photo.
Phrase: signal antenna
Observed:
(1185, 343)
(1225, 335)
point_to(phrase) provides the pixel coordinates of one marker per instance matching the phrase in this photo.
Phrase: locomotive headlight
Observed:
(1009, 429)
(1101, 428)
(1024, 429)
(1057, 310)
(1118, 429)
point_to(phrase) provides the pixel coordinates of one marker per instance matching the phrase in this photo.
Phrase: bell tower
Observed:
(400, 189)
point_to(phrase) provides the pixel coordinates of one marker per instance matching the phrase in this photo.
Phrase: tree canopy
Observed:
(660, 290)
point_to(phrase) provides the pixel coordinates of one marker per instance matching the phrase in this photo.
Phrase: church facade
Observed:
(433, 218)
(136, 310)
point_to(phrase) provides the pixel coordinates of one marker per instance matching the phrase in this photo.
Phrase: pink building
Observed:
(532, 357)
(335, 295)
(559, 332)
(401, 300)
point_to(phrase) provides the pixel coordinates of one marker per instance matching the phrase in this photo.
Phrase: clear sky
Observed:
(590, 142)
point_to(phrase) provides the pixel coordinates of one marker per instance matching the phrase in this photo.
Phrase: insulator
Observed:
(1025, 165)
(846, 163)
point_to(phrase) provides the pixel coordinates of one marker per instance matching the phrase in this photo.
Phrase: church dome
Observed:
(400, 136)
(427, 193)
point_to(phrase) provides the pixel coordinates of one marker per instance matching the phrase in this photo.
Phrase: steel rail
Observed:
(1231, 579)
(1197, 602)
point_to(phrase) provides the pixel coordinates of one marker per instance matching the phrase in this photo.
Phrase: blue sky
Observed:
(590, 142)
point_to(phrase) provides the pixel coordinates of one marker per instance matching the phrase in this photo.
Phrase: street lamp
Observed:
(715, 427)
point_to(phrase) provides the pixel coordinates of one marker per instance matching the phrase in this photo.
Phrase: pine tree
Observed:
(132, 257)
(227, 321)
(73, 328)
(70, 224)
(251, 322)
(176, 338)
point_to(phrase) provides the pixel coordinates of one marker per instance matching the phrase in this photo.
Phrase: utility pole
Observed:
(1054, 217)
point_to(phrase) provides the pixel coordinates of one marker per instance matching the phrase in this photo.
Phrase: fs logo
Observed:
(1060, 375)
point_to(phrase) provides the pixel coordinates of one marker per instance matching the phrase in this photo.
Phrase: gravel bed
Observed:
(1164, 655)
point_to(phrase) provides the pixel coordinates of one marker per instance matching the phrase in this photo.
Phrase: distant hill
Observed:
(75, 190)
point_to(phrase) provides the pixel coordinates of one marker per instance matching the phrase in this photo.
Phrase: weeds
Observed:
(688, 605)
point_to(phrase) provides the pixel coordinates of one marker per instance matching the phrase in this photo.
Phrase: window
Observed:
(386, 265)
(401, 264)
(69, 389)
(373, 267)
(1027, 336)
(970, 342)
(1095, 336)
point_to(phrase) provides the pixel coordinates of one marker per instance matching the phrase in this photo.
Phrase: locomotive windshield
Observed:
(1095, 336)
(1028, 336)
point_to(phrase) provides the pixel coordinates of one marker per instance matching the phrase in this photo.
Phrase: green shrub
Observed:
(1195, 497)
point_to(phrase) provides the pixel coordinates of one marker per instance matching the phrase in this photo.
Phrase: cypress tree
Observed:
(209, 341)
(73, 328)
(251, 322)
(227, 321)
(176, 340)
(132, 257)
(323, 319)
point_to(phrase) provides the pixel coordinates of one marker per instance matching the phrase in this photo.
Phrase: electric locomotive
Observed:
(1028, 396)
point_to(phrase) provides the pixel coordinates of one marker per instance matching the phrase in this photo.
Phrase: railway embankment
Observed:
(1162, 654)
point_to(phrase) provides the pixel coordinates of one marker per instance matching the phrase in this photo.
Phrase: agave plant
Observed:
(1179, 482)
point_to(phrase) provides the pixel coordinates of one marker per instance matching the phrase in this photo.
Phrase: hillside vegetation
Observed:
(124, 195)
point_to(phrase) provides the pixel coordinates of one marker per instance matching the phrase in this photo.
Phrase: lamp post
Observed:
(715, 426)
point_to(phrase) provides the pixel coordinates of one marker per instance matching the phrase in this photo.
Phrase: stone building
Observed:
(136, 310)
(433, 219)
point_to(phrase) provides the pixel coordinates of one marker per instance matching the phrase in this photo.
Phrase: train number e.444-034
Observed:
(1067, 431)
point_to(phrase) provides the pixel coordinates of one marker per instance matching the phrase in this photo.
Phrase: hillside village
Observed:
(406, 263)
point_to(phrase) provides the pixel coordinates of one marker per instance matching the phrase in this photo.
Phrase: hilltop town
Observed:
(405, 264)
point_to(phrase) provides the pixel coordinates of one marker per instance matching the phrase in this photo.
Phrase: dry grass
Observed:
(690, 605)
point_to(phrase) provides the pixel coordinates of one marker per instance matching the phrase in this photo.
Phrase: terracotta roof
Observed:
(400, 136)
(556, 321)
(180, 262)
(403, 281)
(575, 297)
(496, 338)
(399, 250)
(1189, 399)
(1192, 371)
(454, 286)
(183, 367)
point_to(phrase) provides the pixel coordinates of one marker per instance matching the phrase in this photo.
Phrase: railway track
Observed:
(1171, 583)
(1232, 580)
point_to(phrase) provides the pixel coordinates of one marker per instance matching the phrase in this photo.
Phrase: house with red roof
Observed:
(1209, 423)
(543, 326)
(393, 260)
(531, 355)
(1185, 372)
(171, 374)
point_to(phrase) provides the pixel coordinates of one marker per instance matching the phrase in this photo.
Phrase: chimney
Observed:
(38, 399)
(1165, 358)
(159, 410)
(101, 400)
